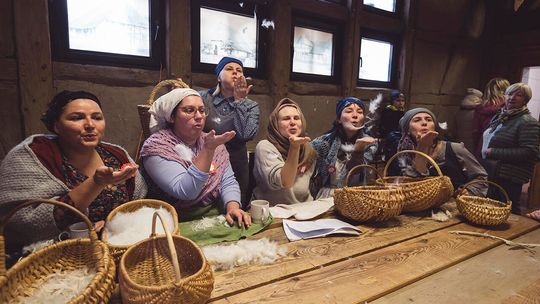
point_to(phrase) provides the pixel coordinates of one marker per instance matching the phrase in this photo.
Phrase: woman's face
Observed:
(421, 123)
(189, 119)
(289, 122)
(230, 73)
(81, 124)
(352, 118)
(515, 100)
(399, 102)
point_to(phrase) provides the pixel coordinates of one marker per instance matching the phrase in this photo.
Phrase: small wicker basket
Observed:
(20, 280)
(421, 193)
(368, 203)
(170, 269)
(116, 250)
(483, 210)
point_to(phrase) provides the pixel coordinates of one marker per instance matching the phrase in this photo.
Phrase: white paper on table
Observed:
(303, 211)
(312, 229)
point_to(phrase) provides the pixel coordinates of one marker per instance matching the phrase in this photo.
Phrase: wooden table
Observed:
(412, 259)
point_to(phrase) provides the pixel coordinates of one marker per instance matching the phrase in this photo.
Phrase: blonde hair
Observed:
(494, 91)
(525, 89)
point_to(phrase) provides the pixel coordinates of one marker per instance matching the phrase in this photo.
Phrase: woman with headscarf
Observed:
(418, 127)
(510, 143)
(284, 161)
(346, 145)
(188, 167)
(71, 165)
(229, 109)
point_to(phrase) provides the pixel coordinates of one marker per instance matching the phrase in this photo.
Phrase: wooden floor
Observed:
(412, 259)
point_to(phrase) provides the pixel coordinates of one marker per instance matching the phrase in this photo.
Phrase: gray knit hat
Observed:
(406, 119)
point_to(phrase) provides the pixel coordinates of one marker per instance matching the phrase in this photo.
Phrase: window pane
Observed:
(120, 26)
(375, 60)
(226, 34)
(312, 51)
(387, 5)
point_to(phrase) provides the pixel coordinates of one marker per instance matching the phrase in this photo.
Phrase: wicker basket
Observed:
(116, 250)
(421, 193)
(67, 255)
(144, 116)
(169, 269)
(482, 210)
(368, 203)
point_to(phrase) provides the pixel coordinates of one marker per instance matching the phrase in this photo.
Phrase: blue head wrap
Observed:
(223, 62)
(347, 101)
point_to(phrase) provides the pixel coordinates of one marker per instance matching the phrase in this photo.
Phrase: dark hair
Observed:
(59, 101)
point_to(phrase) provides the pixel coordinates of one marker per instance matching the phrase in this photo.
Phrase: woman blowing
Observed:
(285, 161)
(190, 168)
(72, 165)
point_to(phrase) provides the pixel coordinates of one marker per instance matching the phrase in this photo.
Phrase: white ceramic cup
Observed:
(260, 211)
(75, 231)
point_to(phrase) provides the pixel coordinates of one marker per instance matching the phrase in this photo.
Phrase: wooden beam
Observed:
(350, 52)
(325, 9)
(34, 61)
(310, 88)
(179, 39)
(279, 59)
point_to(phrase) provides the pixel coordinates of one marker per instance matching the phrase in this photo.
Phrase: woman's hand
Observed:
(241, 89)
(234, 212)
(426, 140)
(361, 143)
(211, 140)
(297, 142)
(107, 176)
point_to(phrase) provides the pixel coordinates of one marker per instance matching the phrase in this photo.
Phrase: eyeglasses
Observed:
(190, 111)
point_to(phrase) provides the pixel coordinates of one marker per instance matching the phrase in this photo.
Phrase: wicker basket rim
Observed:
(389, 162)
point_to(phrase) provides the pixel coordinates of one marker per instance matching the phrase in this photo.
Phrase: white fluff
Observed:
(374, 104)
(268, 24)
(243, 252)
(184, 152)
(443, 125)
(59, 287)
(441, 216)
(131, 227)
(209, 222)
(347, 148)
(36, 246)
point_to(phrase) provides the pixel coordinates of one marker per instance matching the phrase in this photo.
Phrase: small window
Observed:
(315, 45)
(122, 32)
(385, 5)
(378, 60)
(227, 28)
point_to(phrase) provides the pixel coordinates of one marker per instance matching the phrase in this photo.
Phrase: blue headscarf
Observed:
(223, 62)
(347, 101)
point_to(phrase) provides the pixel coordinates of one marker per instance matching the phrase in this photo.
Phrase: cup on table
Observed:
(260, 211)
(74, 231)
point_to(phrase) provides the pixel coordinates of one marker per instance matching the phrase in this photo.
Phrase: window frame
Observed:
(58, 29)
(397, 14)
(231, 7)
(323, 24)
(391, 38)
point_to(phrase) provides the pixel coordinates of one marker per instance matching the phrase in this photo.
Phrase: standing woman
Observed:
(455, 161)
(71, 165)
(510, 143)
(284, 161)
(493, 101)
(391, 114)
(347, 144)
(229, 109)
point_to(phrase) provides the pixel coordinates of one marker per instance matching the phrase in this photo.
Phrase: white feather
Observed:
(184, 151)
(209, 222)
(375, 103)
(443, 125)
(348, 148)
(243, 252)
(268, 24)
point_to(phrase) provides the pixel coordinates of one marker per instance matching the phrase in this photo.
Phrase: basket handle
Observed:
(162, 84)
(480, 181)
(170, 243)
(415, 152)
(91, 231)
(346, 183)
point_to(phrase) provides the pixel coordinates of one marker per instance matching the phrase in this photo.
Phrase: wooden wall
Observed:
(442, 54)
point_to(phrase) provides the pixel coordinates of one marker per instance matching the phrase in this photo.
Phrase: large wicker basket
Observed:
(20, 280)
(144, 116)
(483, 210)
(368, 203)
(421, 193)
(116, 250)
(169, 269)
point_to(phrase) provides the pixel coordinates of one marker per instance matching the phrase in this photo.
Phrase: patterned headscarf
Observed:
(307, 154)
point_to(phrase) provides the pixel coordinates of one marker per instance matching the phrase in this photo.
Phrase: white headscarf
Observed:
(161, 109)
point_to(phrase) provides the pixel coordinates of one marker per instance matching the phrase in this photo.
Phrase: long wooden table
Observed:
(412, 259)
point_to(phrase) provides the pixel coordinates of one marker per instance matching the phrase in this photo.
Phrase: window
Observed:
(384, 7)
(378, 59)
(120, 32)
(315, 45)
(227, 28)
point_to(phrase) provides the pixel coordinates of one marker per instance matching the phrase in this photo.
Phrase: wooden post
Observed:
(279, 59)
(33, 45)
(350, 50)
(407, 50)
(179, 39)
